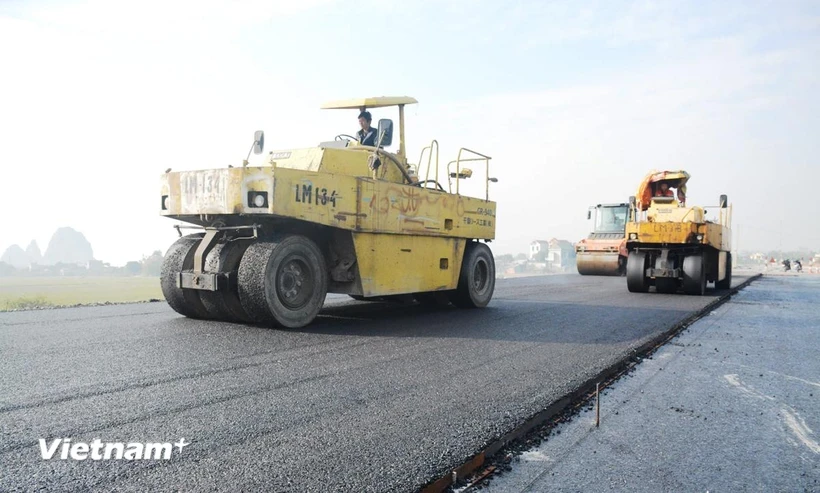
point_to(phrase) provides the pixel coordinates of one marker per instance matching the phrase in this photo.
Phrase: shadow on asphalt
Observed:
(502, 320)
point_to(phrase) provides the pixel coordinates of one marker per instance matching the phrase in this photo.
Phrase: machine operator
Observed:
(367, 135)
(664, 191)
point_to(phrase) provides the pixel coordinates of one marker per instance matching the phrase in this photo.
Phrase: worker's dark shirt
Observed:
(368, 139)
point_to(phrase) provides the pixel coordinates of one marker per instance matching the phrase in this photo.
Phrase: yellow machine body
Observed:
(671, 245)
(407, 238)
(666, 223)
(383, 229)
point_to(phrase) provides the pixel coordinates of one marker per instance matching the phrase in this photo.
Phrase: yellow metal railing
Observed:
(459, 160)
(434, 143)
(636, 215)
(690, 212)
(724, 214)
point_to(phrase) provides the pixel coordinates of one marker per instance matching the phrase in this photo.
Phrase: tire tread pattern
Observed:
(179, 257)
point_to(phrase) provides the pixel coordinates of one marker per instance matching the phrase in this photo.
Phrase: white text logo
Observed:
(98, 450)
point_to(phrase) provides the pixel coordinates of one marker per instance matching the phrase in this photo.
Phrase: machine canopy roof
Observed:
(377, 102)
(675, 179)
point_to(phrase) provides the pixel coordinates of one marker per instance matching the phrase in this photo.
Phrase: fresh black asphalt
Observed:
(371, 397)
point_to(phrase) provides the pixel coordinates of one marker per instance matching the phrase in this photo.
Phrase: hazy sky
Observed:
(575, 102)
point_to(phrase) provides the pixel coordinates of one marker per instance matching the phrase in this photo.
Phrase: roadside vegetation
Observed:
(27, 293)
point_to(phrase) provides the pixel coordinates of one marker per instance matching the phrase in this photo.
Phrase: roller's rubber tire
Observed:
(476, 281)
(180, 257)
(224, 304)
(694, 275)
(636, 280)
(283, 281)
(666, 285)
(726, 283)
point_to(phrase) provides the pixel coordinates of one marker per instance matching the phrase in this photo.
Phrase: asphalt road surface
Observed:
(371, 397)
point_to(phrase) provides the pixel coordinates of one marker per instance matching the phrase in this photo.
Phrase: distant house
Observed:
(555, 254)
(538, 246)
(561, 254)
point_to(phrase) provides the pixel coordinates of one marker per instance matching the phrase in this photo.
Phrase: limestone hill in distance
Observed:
(69, 253)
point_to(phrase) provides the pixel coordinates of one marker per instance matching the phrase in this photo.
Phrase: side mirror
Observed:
(724, 201)
(385, 132)
(258, 141)
(632, 200)
(589, 215)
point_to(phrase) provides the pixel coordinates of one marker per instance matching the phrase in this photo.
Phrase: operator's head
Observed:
(664, 186)
(365, 119)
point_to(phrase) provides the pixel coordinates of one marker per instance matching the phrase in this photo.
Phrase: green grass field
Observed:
(31, 292)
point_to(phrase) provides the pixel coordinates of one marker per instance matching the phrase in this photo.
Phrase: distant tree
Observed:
(151, 265)
(504, 259)
(6, 269)
(521, 256)
(133, 268)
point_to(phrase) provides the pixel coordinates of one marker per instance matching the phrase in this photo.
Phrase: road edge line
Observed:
(575, 399)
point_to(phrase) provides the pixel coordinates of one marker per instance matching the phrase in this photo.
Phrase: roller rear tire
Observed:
(694, 275)
(636, 280)
(180, 257)
(726, 283)
(224, 304)
(476, 282)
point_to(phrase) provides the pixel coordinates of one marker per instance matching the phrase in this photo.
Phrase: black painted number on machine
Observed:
(306, 194)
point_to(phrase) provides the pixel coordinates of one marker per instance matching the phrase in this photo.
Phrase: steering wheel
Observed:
(420, 183)
(349, 137)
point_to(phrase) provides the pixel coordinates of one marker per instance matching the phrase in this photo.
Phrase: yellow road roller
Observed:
(346, 216)
(603, 252)
(673, 246)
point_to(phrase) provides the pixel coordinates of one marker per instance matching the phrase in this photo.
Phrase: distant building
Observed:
(554, 254)
(536, 247)
(561, 254)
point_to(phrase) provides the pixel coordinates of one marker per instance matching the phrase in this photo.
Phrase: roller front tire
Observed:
(283, 281)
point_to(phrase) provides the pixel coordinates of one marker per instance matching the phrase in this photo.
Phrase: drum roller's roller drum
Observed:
(599, 263)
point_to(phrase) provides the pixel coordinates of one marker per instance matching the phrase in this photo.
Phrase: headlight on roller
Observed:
(258, 200)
